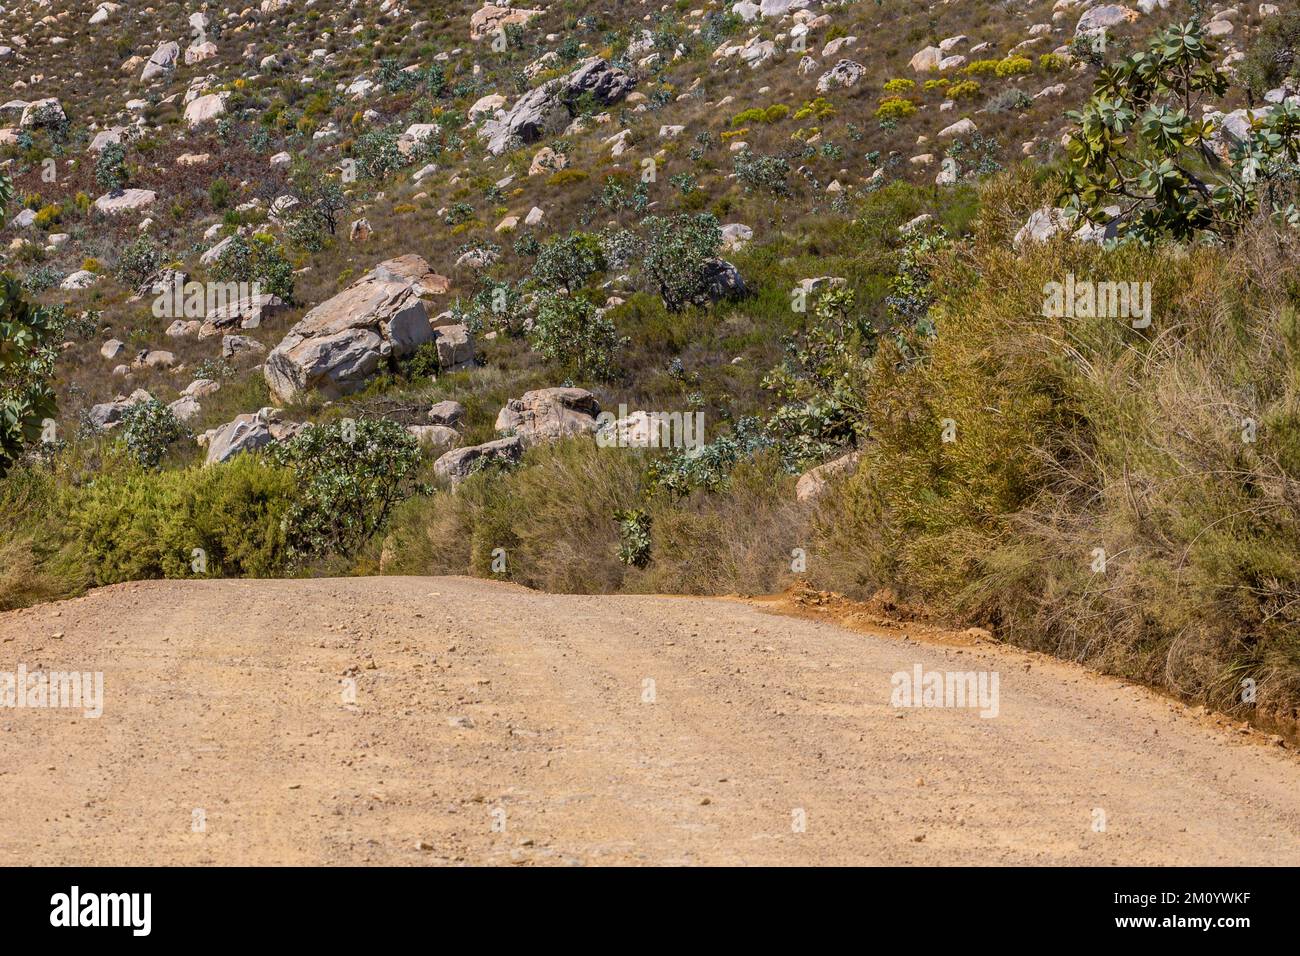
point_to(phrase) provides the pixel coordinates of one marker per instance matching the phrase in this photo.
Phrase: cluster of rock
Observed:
(340, 343)
(549, 109)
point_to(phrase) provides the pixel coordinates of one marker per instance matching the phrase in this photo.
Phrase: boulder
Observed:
(963, 127)
(539, 112)
(81, 279)
(46, 112)
(1107, 15)
(183, 329)
(839, 43)
(106, 136)
(547, 161)
(198, 52)
(127, 200)
(1041, 226)
(812, 484)
(549, 414)
(433, 436)
(158, 358)
(490, 18)
(447, 413)
(107, 414)
(845, 73)
(722, 280)
(103, 12)
(232, 345)
(247, 313)
(204, 109)
(341, 342)
(608, 84)
(1046, 222)
(547, 109)
(459, 463)
(246, 433)
(186, 409)
(486, 105)
(163, 59)
(927, 60)
(735, 235)
(455, 344)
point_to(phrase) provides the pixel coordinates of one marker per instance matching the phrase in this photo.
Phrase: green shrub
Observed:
(567, 176)
(964, 90)
(757, 171)
(567, 262)
(1009, 100)
(48, 216)
(139, 262)
(1015, 66)
(261, 260)
(110, 168)
(376, 153)
(900, 86)
(1274, 55)
(236, 512)
(1133, 448)
(819, 108)
(219, 193)
(674, 253)
(981, 68)
(552, 516)
(27, 355)
(224, 520)
(148, 429)
(572, 333)
(895, 108)
(349, 475)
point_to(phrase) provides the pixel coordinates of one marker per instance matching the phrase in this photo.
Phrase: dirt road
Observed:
(497, 725)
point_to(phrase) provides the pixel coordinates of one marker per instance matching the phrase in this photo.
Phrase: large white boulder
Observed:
(340, 343)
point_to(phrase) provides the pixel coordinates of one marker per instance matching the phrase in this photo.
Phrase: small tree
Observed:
(349, 475)
(576, 336)
(26, 369)
(139, 262)
(149, 428)
(822, 384)
(261, 260)
(110, 168)
(1142, 145)
(674, 252)
(377, 154)
(320, 200)
(567, 262)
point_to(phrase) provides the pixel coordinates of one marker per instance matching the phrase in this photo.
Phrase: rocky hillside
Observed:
(699, 297)
(325, 139)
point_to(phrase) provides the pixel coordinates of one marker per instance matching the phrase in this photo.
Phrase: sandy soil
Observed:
(494, 725)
